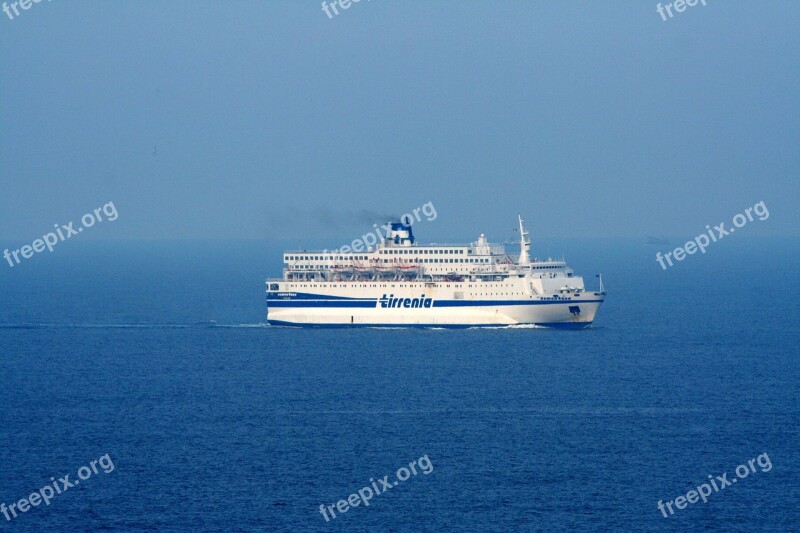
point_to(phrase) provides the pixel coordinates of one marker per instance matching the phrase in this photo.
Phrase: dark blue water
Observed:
(156, 354)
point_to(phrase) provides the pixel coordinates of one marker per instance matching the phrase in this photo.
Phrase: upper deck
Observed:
(401, 258)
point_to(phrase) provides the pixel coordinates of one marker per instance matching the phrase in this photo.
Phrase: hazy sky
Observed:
(266, 119)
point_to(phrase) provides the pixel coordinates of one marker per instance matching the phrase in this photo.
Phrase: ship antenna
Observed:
(524, 243)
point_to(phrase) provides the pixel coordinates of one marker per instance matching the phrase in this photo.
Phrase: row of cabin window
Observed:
(422, 251)
(423, 260)
(411, 260)
(325, 258)
(392, 285)
(364, 257)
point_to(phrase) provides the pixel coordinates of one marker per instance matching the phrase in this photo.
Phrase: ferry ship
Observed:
(400, 283)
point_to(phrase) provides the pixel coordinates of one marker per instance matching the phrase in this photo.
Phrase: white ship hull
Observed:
(421, 305)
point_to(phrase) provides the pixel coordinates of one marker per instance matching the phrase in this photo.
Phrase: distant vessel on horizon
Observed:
(402, 284)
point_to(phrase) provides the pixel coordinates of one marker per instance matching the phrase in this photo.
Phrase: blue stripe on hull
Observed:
(436, 303)
(479, 303)
(558, 325)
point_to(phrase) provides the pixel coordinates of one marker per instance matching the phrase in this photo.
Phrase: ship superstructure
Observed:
(402, 283)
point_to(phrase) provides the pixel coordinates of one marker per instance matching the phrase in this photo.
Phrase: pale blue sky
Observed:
(266, 120)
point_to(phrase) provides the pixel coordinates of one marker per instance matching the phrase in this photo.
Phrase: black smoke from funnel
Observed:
(339, 219)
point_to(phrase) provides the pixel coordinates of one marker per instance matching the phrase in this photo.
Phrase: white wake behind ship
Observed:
(400, 283)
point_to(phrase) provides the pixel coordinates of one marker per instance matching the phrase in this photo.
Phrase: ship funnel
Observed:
(401, 234)
(524, 244)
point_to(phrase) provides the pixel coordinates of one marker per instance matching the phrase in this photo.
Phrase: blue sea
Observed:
(154, 358)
